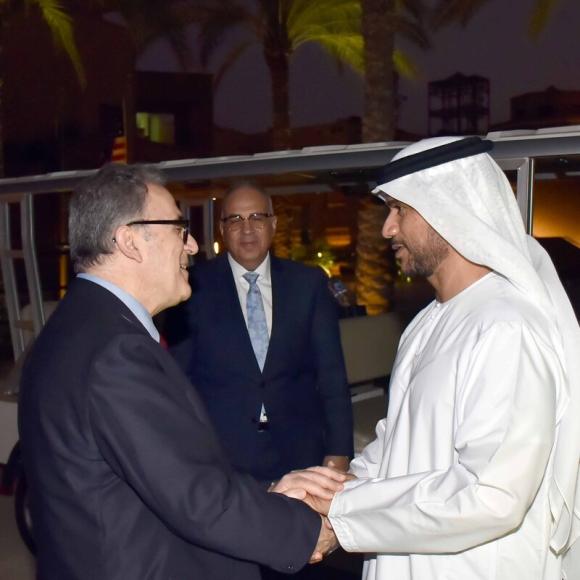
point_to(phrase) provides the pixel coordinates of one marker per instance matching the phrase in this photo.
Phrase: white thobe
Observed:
(455, 485)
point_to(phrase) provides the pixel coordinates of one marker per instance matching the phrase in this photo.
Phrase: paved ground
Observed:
(15, 561)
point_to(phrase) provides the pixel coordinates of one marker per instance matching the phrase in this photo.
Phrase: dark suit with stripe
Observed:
(303, 384)
(127, 477)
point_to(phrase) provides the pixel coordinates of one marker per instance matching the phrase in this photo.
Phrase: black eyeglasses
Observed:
(182, 225)
(257, 220)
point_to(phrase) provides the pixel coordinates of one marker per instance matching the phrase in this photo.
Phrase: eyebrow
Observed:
(392, 203)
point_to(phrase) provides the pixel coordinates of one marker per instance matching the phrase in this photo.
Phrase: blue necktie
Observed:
(257, 326)
(258, 330)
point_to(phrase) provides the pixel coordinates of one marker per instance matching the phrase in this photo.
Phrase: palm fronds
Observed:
(333, 24)
(61, 27)
(404, 65)
(540, 15)
(449, 11)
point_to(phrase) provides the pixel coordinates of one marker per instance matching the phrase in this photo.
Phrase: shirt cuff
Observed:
(338, 521)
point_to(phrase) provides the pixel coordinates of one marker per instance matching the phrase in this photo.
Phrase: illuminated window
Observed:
(157, 127)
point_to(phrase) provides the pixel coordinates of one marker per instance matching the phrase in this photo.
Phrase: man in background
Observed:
(263, 349)
(474, 472)
(127, 477)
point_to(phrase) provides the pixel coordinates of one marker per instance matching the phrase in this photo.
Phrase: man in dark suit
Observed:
(128, 480)
(279, 402)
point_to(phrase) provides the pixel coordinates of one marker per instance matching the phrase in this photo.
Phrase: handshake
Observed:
(316, 487)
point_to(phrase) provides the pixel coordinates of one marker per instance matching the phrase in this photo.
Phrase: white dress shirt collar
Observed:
(264, 283)
(263, 269)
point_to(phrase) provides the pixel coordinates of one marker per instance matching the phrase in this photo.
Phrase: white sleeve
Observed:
(503, 440)
(367, 464)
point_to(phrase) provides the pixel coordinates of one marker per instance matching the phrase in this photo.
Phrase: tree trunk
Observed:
(280, 76)
(373, 277)
(379, 38)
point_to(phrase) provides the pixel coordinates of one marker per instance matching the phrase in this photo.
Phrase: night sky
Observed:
(495, 44)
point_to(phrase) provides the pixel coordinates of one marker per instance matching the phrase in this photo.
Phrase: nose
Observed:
(391, 226)
(247, 227)
(191, 246)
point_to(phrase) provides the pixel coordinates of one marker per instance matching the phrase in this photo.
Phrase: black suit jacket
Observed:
(303, 384)
(127, 477)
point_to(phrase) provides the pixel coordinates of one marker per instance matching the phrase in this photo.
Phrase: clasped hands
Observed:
(316, 487)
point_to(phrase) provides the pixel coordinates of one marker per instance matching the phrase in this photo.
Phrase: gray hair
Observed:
(113, 196)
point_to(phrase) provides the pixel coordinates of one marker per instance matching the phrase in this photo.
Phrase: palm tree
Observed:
(60, 24)
(281, 27)
(381, 20)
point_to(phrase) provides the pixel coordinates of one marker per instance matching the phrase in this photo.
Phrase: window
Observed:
(157, 127)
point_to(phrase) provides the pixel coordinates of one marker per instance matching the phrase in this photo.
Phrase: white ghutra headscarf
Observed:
(464, 195)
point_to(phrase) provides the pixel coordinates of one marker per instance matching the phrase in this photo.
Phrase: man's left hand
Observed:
(322, 482)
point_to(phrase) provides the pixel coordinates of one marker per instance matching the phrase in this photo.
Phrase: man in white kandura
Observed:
(474, 472)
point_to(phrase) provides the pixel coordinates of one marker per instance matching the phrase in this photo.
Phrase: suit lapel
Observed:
(279, 293)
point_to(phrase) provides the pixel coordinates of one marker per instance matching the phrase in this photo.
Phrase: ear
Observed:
(128, 243)
(274, 223)
(222, 229)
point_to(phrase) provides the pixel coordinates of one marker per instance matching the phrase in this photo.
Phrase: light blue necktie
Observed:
(257, 326)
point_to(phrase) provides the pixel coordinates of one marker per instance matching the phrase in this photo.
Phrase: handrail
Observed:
(508, 144)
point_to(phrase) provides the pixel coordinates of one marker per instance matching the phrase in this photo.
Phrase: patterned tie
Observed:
(258, 330)
(257, 327)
